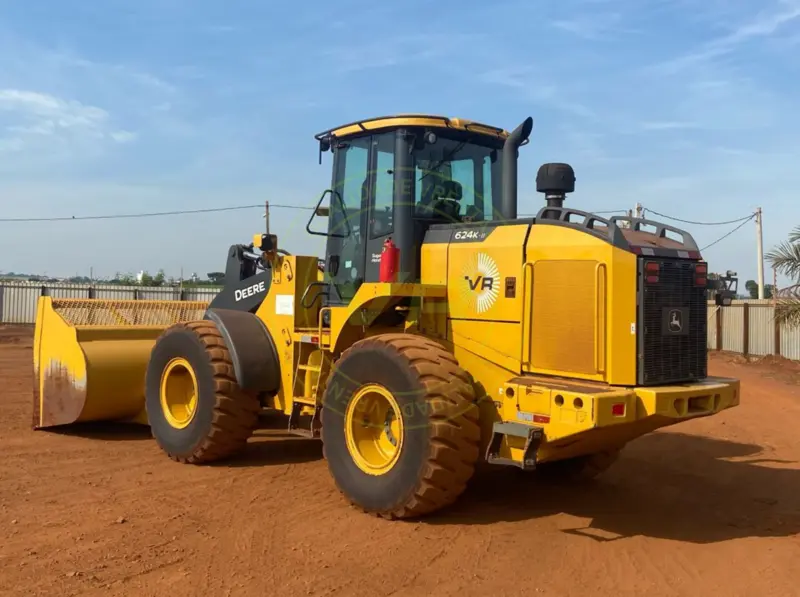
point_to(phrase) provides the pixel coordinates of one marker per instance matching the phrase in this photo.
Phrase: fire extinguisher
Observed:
(390, 261)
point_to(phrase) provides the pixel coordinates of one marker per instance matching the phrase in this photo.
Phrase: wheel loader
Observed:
(441, 328)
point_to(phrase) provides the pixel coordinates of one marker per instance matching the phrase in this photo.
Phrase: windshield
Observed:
(476, 170)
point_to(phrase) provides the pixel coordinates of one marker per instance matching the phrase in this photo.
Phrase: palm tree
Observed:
(785, 258)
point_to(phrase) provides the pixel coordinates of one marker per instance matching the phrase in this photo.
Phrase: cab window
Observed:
(381, 219)
(457, 180)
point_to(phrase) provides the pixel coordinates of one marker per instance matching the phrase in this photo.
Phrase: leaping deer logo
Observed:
(675, 323)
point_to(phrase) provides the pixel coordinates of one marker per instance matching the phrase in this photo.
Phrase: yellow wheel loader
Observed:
(440, 330)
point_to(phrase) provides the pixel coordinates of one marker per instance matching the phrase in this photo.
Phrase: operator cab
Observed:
(397, 176)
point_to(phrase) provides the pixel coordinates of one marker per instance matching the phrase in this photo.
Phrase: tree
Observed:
(123, 279)
(752, 287)
(785, 258)
(216, 277)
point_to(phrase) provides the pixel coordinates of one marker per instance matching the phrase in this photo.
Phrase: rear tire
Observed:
(197, 412)
(435, 426)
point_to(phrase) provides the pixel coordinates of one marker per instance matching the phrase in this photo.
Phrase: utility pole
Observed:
(760, 253)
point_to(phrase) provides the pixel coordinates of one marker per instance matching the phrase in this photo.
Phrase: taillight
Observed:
(700, 274)
(618, 409)
(651, 269)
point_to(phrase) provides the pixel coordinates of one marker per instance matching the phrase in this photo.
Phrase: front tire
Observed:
(196, 410)
(400, 426)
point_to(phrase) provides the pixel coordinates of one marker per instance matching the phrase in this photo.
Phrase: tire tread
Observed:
(235, 414)
(454, 434)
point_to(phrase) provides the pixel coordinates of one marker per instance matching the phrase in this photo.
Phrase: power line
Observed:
(196, 211)
(153, 214)
(744, 219)
(724, 236)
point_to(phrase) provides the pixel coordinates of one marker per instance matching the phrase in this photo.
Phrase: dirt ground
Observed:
(710, 507)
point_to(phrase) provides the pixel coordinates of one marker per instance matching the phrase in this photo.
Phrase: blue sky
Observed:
(688, 106)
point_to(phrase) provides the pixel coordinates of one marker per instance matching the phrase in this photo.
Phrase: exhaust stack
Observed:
(508, 206)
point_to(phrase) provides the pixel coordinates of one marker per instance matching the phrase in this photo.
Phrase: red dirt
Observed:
(710, 507)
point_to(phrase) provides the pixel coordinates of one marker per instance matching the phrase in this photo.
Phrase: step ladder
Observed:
(533, 438)
(301, 402)
(313, 430)
(323, 342)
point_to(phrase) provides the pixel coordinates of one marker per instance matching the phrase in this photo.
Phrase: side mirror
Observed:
(324, 145)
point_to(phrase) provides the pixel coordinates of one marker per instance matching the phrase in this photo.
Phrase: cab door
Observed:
(345, 262)
(380, 199)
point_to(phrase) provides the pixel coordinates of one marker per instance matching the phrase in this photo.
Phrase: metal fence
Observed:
(749, 328)
(18, 299)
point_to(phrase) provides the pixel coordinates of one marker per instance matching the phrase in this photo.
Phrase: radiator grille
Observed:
(666, 356)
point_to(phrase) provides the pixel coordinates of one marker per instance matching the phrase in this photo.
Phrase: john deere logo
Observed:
(675, 321)
(481, 279)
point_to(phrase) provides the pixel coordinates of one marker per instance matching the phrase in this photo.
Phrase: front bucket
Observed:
(90, 356)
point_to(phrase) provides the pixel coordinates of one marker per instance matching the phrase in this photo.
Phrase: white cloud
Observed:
(121, 72)
(400, 49)
(667, 125)
(531, 87)
(54, 112)
(594, 26)
(713, 85)
(27, 116)
(762, 25)
(123, 136)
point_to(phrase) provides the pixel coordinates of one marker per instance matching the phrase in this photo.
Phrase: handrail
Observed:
(661, 230)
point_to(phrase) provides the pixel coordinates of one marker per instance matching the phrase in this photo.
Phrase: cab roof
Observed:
(425, 120)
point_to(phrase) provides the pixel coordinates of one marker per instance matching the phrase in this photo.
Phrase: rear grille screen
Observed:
(672, 325)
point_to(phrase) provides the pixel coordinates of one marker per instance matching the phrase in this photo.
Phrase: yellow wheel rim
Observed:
(179, 393)
(374, 429)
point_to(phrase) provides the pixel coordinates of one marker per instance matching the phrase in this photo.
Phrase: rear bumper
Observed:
(661, 404)
(578, 418)
(708, 397)
(564, 409)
